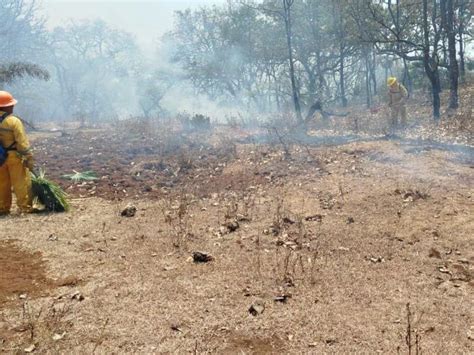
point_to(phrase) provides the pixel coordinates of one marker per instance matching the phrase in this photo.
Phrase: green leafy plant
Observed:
(49, 194)
(81, 176)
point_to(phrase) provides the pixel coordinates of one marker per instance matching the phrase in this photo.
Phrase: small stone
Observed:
(257, 308)
(199, 257)
(77, 296)
(232, 226)
(129, 211)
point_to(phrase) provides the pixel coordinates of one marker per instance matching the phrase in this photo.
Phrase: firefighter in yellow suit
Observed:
(397, 96)
(15, 171)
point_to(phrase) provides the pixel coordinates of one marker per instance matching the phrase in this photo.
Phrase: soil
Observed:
(343, 245)
(23, 273)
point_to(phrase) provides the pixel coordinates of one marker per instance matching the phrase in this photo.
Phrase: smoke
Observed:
(182, 98)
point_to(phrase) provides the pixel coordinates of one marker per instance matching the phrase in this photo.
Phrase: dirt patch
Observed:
(130, 164)
(22, 272)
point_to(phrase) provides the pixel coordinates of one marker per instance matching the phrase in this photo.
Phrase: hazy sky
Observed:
(146, 19)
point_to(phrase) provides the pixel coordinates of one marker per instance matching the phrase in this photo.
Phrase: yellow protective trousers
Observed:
(398, 112)
(13, 174)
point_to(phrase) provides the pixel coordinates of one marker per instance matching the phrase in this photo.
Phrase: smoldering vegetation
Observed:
(240, 190)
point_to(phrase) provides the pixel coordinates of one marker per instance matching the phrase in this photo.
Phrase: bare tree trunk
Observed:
(367, 81)
(430, 63)
(407, 77)
(287, 16)
(373, 73)
(462, 66)
(447, 19)
(342, 82)
(453, 62)
(339, 13)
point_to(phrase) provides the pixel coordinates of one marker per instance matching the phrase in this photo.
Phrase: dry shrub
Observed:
(177, 216)
(41, 326)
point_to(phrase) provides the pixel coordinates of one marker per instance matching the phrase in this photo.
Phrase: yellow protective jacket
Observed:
(397, 95)
(13, 131)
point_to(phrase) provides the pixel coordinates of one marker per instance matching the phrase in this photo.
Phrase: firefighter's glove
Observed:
(29, 163)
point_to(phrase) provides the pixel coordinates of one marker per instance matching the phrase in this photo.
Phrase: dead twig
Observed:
(100, 340)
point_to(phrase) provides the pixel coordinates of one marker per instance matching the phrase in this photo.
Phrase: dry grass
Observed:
(332, 242)
(334, 250)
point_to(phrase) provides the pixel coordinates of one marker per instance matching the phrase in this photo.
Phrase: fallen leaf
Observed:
(176, 328)
(282, 298)
(434, 253)
(30, 349)
(57, 336)
(77, 296)
(444, 270)
(314, 218)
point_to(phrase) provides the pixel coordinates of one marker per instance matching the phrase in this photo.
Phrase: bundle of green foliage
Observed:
(49, 194)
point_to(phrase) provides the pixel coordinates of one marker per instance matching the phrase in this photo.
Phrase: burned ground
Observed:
(331, 242)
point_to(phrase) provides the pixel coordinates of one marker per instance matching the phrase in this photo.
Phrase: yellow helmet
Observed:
(391, 81)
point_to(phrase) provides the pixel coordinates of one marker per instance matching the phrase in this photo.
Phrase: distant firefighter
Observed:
(397, 95)
(16, 158)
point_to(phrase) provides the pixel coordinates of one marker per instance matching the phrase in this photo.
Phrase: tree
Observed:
(224, 53)
(346, 44)
(447, 13)
(284, 12)
(287, 5)
(404, 36)
(463, 19)
(430, 55)
(22, 36)
(92, 62)
(16, 70)
(330, 50)
(152, 89)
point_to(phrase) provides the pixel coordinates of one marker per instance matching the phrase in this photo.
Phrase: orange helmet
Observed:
(7, 99)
